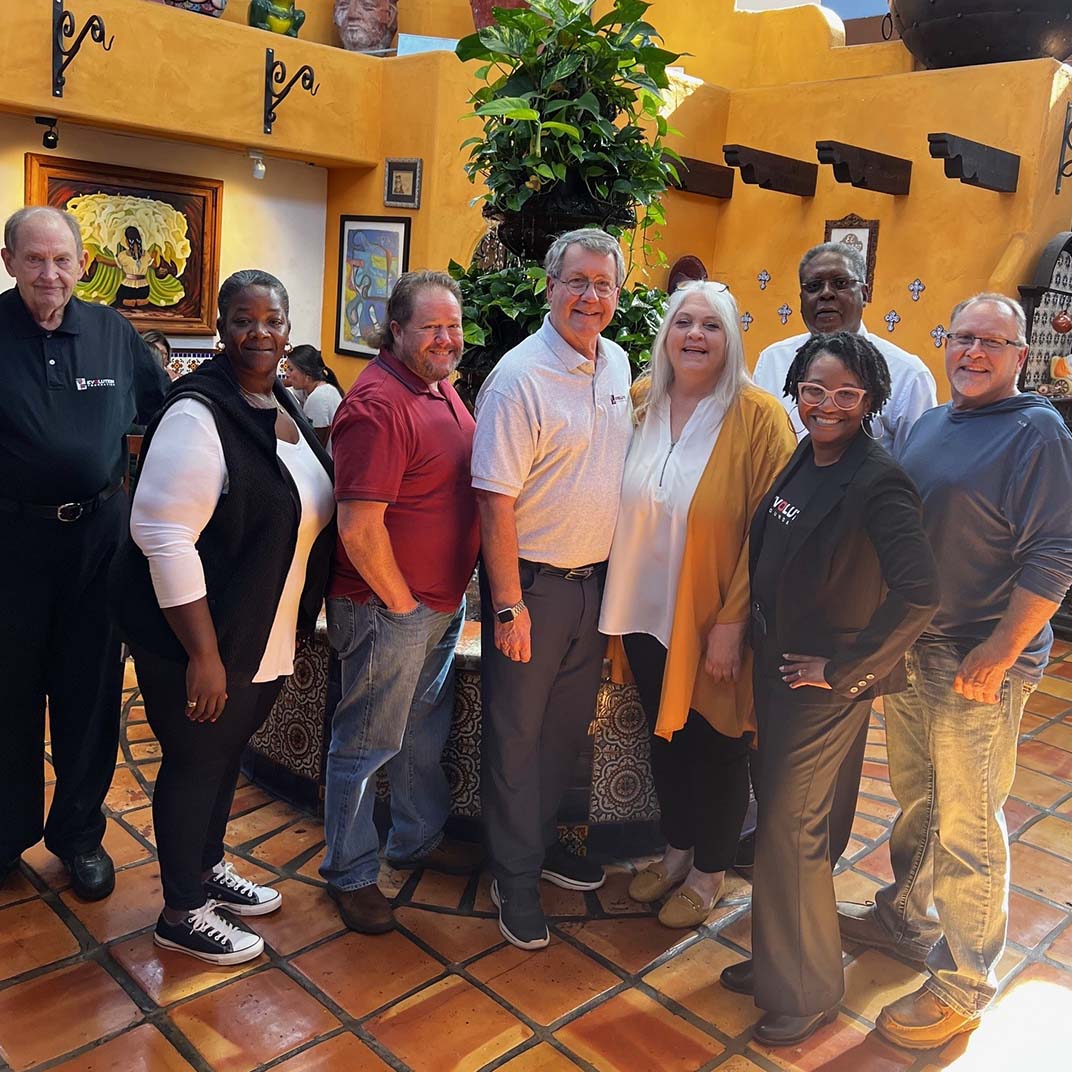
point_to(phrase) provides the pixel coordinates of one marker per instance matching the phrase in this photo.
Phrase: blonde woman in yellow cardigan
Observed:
(707, 447)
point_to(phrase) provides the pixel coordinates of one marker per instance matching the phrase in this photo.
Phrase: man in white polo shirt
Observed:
(833, 293)
(553, 424)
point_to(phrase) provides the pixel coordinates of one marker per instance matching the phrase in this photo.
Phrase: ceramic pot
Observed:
(958, 33)
(366, 25)
(201, 7)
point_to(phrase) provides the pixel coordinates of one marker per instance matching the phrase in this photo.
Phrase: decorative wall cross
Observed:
(938, 334)
(746, 319)
(764, 279)
(917, 288)
(892, 319)
(785, 313)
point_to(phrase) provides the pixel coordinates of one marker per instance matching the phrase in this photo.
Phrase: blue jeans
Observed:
(396, 709)
(952, 763)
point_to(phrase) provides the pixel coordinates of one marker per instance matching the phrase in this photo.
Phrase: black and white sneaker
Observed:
(207, 935)
(570, 871)
(521, 919)
(238, 895)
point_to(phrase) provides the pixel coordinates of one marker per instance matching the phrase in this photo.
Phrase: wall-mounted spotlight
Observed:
(259, 170)
(51, 137)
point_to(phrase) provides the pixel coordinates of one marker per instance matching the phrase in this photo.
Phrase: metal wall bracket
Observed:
(63, 28)
(275, 74)
(770, 171)
(1064, 168)
(976, 164)
(866, 169)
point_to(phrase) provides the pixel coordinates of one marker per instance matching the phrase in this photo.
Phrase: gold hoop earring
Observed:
(220, 346)
(287, 349)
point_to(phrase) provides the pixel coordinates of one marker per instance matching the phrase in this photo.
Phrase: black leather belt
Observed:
(577, 573)
(71, 511)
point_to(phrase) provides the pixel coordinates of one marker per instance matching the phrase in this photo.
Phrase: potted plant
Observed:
(563, 102)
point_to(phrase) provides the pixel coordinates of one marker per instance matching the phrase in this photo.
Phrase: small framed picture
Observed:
(861, 235)
(402, 183)
(373, 253)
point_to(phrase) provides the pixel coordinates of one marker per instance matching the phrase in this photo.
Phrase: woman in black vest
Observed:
(230, 542)
(842, 582)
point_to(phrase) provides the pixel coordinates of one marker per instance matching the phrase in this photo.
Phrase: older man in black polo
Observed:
(75, 377)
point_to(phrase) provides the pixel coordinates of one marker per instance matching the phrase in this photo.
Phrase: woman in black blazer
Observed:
(843, 581)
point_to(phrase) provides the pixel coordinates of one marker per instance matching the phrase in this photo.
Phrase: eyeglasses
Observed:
(961, 340)
(815, 394)
(578, 285)
(815, 286)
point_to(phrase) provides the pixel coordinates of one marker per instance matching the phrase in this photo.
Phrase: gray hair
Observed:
(595, 241)
(24, 215)
(853, 256)
(724, 306)
(1010, 305)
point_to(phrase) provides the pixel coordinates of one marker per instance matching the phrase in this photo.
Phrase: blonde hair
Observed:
(734, 374)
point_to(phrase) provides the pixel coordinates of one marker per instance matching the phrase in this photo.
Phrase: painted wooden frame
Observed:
(860, 234)
(373, 253)
(153, 239)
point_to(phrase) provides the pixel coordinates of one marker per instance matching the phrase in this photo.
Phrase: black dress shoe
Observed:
(776, 1029)
(8, 868)
(92, 873)
(739, 978)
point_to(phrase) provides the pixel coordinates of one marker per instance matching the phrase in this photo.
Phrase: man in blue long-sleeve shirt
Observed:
(994, 469)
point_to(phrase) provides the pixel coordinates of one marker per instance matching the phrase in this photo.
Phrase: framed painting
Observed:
(402, 183)
(373, 253)
(153, 239)
(861, 235)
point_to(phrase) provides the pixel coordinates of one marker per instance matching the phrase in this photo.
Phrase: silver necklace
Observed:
(260, 401)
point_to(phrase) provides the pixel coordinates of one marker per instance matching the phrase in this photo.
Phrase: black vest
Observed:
(248, 544)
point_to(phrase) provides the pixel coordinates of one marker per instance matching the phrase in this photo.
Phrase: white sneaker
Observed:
(207, 935)
(238, 895)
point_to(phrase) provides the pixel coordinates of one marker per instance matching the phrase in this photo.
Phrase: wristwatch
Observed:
(508, 614)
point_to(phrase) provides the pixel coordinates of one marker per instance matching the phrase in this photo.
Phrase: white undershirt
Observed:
(182, 478)
(649, 538)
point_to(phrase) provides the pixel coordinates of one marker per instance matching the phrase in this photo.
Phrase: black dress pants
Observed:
(804, 740)
(535, 717)
(701, 775)
(57, 643)
(198, 771)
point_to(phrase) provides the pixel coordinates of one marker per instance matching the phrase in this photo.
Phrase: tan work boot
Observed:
(922, 1021)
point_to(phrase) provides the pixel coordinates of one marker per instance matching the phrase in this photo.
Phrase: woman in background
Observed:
(706, 449)
(316, 387)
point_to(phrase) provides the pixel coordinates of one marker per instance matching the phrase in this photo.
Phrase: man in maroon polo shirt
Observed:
(408, 541)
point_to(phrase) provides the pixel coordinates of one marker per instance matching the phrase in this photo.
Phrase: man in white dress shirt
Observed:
(833, 293)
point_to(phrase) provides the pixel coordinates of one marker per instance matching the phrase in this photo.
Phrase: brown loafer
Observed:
(449, 856)
(686, 909)
(364, 910)
(652, 883)
(922, 1021)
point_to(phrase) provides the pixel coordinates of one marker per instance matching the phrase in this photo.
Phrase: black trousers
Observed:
(846, 794)
(198, 771)
(804, 741)
(57, 643)
(535, 717)
(701, 775)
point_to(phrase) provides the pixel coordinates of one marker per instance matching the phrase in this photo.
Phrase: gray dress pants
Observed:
(805, 738)
(535, 717)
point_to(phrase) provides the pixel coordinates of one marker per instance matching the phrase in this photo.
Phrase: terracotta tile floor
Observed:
(83, 989)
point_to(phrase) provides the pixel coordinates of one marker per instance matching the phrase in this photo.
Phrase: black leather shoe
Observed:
(92, 874)
(8, 868)
(738, 978)
(778, 1030)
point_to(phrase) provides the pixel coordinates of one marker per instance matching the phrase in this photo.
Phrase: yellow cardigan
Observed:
(753, 447)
